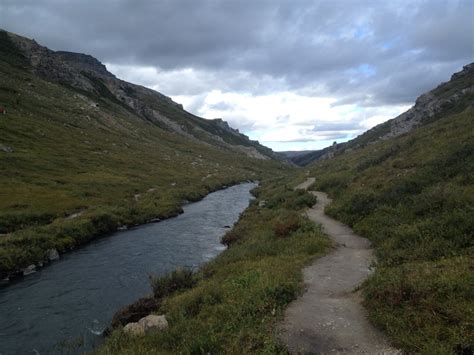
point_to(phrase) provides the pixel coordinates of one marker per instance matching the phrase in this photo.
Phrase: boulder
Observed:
(6, 149)
(134, 329)
(146, 324)
(29, 270)
(52, 254)
(153, 322)
(134, 312)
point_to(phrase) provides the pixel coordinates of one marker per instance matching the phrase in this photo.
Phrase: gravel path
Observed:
(329, 317)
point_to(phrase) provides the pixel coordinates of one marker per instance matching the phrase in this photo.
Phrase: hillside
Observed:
(83, 153)
(411, 192)
(447, 98)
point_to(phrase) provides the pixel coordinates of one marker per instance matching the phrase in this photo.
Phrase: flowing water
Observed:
(65, 307)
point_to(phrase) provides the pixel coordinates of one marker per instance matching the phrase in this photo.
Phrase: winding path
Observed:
(329, 317)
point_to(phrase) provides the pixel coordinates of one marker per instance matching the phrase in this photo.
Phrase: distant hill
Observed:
(83, 153)
(447, 98)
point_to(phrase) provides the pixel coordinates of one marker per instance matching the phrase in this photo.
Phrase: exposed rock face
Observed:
(91, 78)
(225, 126)
(83, 62)
(434, 102)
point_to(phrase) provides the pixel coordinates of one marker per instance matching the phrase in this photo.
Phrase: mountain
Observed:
(83, 153)
(408, 186)
(88, 76)
(447, 98)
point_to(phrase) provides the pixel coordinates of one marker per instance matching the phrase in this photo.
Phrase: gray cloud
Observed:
(336, 126)
(366, 52)
(222, 106)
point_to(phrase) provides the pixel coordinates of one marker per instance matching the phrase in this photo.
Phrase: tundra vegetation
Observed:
(413, 197)
(75, 165)
(232, 303)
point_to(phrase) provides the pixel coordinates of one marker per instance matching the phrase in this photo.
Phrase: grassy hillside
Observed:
(233, 303)
(76, 165)
(413, 197)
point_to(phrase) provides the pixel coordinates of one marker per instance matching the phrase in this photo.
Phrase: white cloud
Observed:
(281, 119)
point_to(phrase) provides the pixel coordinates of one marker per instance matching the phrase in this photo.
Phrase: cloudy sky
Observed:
(293, 74)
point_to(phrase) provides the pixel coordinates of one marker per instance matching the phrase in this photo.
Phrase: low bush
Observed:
(177, 280)
(134, 312)
(286, 224)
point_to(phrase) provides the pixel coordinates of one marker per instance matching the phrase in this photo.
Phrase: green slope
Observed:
(413, 197)
(71, 170)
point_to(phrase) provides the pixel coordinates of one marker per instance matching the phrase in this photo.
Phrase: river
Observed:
(64, 308)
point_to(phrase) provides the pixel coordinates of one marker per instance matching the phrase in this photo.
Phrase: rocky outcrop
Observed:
(219, 122)
(434, 102)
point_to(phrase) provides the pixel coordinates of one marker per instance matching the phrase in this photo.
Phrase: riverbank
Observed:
(238, 297)
(65, 307)
(68, 234)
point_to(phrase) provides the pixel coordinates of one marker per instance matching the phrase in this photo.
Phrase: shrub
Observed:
(179, 279)
(134, 312)
(287, 224)
(230, 238)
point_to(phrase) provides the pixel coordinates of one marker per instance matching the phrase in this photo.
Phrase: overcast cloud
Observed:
(293, 74)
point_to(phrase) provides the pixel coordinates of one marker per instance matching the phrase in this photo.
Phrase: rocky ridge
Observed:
(91, 78)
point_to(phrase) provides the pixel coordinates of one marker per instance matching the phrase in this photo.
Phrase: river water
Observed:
(64, 307)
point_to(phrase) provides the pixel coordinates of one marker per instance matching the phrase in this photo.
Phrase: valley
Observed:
(87, 158)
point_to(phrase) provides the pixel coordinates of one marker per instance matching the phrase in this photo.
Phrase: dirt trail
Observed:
(329, 317)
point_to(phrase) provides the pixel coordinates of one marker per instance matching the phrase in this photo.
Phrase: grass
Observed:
(106, 165)
(413, 197)
(239, 296)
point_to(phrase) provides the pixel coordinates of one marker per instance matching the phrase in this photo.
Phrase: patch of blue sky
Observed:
(367, 70)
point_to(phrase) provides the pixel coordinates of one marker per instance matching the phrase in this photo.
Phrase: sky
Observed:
(293, 74)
